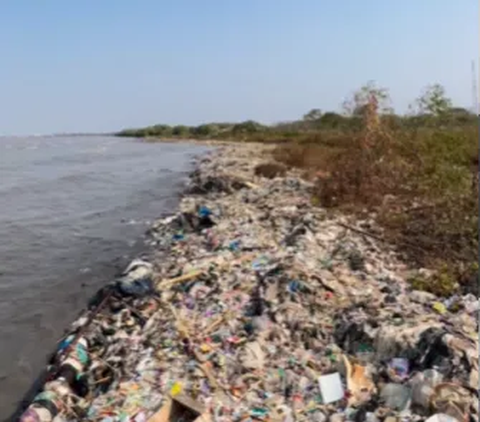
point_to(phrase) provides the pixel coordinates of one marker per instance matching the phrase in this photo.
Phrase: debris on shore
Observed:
(257, 305)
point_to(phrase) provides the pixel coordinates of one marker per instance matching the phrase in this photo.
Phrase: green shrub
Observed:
(248, 127)
(180, 131)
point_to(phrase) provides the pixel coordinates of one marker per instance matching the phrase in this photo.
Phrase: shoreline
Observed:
(114, 239)
(265, 241)
(207, 142)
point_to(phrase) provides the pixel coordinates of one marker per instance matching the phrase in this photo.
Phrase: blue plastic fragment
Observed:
(65, 343)
(82, 354)
(204, 211)
(294, 286)
(258, 412)
(178, 236)
(260, 263)
(234, 246)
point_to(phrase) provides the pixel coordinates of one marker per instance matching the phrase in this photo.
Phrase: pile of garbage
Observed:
(256, 305)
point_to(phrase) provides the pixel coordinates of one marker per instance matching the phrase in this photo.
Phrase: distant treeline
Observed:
(431, 109)
(323, 121)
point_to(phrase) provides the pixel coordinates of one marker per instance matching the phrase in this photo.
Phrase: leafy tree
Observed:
(205, 130)
(332, 120)
(180, 130)
(460, 111)
(461, 116)
(312, 115)
(248, 126)
(161, 130)
(434, 101)
(128, 133)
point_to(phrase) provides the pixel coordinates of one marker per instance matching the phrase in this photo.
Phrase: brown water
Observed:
(72, 213)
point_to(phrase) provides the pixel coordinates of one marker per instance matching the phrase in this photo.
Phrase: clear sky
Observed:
(93, 65)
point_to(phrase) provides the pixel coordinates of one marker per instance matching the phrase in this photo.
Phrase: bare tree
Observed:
(365, 97)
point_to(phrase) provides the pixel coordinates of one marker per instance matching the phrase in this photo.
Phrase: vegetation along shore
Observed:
(417, 173)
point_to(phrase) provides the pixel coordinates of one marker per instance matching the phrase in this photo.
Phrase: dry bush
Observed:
(270, 170)
(312, 152)
(365, 171)
(428, 175)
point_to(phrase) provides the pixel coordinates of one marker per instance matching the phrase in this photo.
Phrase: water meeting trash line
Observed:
(255, 305)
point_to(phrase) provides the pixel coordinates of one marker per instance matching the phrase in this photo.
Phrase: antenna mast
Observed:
(474, 89)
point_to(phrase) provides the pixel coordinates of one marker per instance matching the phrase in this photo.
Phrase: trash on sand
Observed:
(441, 417)
(398, 369)
(453, 400)
(359, 383)
(180, 408)
(396, 396)
(254, 357)
(440, 307)
(331, 387)
(249, 303)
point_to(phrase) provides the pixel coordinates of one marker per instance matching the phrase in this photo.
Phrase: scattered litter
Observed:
(255, 305)
(331, 388)
(179, 408)
(398, 369)
(440, 307)
(359, 383)
(396, 396)
(441, 417)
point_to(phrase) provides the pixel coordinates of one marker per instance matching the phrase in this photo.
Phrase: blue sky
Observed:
(104, 65)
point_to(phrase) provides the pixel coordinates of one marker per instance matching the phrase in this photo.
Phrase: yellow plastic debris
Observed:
(205, 348)
(440, 308)
(176, 389)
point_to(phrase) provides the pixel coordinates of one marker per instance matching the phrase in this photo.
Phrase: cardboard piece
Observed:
(181, 408)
